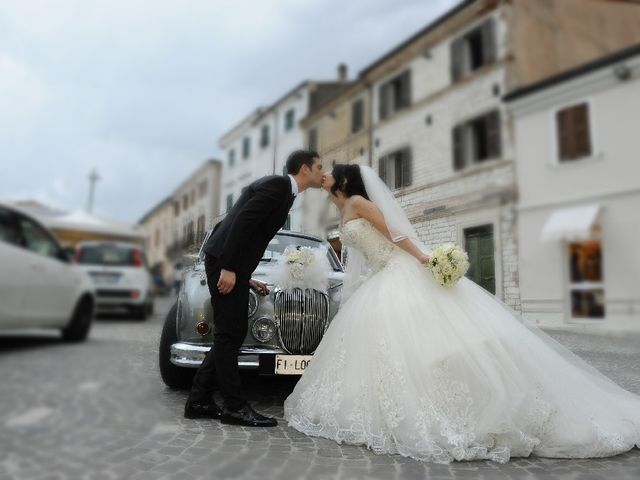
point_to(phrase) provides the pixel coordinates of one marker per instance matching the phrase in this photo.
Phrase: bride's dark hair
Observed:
(348, 180)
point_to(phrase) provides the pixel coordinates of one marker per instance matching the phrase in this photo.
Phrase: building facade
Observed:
(260, 144)
(340, 131)
(178, 223)
(159, 223)
(579, 185)
(439, 133)
(442, 143)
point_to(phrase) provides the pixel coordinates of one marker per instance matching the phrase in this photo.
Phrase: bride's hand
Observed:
(424, 259)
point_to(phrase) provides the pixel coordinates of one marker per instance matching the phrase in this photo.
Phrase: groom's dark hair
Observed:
(299, 158)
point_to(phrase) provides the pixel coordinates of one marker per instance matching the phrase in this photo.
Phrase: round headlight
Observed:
(202, 328)
(263, 329)
(253, 303)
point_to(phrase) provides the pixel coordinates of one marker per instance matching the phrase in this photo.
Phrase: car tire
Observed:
(174, 377)
(80, 323)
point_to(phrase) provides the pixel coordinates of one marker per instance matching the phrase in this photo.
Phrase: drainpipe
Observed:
(370, 126)
(275, 141)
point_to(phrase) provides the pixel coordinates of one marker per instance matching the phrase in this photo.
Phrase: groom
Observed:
(232, 253)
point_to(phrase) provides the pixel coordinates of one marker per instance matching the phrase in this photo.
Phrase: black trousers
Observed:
(219, 370)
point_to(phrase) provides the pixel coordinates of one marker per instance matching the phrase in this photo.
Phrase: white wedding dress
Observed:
(409, 367)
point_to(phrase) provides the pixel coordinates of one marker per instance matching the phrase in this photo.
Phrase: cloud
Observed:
(141, 90)
(23, 94)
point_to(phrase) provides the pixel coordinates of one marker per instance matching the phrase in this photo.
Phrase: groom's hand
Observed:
(226, 282)
(259, 286)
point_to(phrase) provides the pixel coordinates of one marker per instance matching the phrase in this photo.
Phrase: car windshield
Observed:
(106, 255)
(279, 243)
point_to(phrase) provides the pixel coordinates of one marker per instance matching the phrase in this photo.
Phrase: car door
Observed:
(14, 278)
(52, 288)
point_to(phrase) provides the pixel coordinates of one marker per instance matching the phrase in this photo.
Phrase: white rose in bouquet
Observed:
(448, 263)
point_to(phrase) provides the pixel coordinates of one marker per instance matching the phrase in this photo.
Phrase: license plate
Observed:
(105, 279)
(292, 364)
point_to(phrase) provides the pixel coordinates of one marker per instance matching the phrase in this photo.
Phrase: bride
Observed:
(409, 367)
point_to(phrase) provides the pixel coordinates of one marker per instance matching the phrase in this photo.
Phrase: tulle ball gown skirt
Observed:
(408, 367)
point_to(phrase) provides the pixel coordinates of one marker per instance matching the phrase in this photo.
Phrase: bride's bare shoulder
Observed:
(365, 208)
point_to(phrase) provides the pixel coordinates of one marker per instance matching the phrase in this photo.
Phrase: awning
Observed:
(82, 221)
(571, 223)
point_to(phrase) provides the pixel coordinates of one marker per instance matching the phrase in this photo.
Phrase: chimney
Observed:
(342, 72)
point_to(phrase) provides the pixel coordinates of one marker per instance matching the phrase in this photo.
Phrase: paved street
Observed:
(99, 410)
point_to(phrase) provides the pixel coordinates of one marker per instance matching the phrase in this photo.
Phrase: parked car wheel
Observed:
(80, 323)
(173, 376)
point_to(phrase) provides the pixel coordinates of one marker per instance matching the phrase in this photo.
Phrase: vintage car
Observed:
(285, 326)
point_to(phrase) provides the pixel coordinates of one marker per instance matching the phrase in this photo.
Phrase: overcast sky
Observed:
(142, 89)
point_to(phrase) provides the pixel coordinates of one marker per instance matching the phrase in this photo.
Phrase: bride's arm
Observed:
(368, 210)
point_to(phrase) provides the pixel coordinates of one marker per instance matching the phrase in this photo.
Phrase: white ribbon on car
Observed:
(303, 267)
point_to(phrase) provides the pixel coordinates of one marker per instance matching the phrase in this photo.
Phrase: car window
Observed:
(37, 239)
(9, 231)
(113, 255)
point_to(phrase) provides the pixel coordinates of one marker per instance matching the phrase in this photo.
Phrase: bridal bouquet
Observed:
(299, 260)
(303, 267)
(448, 263)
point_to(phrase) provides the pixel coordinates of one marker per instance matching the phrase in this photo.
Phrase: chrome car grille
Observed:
(302, 317)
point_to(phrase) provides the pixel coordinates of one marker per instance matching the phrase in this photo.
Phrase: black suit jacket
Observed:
(239, 241)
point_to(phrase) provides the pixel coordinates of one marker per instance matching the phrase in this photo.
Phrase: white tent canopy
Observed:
(571, 223)
(81, 220)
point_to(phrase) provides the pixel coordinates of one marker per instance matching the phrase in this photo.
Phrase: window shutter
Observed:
(405, 89)
(563, 119)
(246, 148)
(397, 167)
(383, 104)
(582, 140)
(458, 148)
(407, 173)
(357, 111)
(494, 144)
(457, 58)
(488, 33)
(382, 168)
(313, 139)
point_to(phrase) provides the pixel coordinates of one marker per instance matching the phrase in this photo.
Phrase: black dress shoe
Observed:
(246, 416)
(202, 410)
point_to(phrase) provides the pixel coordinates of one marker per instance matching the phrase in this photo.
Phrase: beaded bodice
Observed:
(360, 234)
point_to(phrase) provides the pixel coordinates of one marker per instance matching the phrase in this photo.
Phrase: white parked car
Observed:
(39, 285)
(121, 276)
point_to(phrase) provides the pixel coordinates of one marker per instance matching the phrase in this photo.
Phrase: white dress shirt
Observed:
(294, 185)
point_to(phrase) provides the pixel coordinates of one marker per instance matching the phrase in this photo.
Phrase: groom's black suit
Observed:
(237, 244)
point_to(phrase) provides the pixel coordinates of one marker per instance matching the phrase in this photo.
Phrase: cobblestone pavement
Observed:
(99, 410)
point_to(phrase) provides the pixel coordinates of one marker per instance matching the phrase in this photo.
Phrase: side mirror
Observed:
(66, 254)
(190, 259)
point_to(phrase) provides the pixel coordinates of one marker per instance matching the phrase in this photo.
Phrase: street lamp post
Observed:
(93, 178)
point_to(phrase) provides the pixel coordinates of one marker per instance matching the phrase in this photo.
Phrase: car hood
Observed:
(265, 271)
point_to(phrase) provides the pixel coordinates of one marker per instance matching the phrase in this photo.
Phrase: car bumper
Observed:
(107, 299)
(249, 358)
